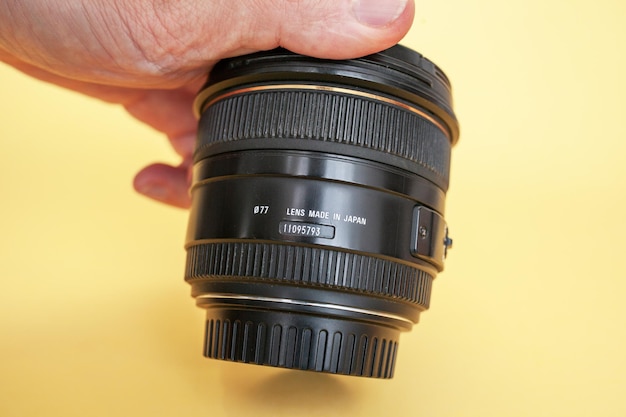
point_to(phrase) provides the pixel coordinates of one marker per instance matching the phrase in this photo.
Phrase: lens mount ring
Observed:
(330, 308)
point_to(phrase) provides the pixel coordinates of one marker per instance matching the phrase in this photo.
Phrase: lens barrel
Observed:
(316, 226)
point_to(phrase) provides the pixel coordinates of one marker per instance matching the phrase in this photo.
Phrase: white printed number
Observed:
(301, 229)
(261, 209)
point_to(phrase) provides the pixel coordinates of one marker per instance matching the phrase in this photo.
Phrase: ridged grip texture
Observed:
(324, 345)
(308, 266)
(327, 117)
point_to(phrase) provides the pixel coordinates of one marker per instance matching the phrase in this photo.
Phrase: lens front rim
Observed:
(398, 71)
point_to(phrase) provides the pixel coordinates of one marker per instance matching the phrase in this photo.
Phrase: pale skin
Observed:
(152, 56)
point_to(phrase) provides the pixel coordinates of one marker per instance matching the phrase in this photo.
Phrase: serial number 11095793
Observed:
(306, 229)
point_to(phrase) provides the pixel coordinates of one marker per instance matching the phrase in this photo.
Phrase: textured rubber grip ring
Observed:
(331, 118)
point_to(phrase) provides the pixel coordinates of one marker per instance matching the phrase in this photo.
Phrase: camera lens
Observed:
(316, 226)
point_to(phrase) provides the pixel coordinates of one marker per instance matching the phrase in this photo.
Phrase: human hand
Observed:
(152, 56)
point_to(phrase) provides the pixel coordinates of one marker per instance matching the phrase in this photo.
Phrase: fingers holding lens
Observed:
(165, 183)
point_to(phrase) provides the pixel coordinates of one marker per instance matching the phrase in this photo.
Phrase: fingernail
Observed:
(378, 13)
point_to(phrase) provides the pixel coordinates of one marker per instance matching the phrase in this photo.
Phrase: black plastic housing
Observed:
(318, 194)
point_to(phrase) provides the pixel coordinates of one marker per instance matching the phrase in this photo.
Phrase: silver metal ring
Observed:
(239, 297)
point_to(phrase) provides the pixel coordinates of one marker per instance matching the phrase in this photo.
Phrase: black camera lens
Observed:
(316, 226)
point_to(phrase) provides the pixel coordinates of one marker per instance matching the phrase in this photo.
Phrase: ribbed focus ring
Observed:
(309, 266)
(329, 117)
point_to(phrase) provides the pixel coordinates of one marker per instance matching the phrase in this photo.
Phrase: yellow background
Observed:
(527, 320)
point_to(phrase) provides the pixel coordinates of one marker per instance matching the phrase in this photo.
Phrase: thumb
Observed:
(336, 29)
(206, 31)
(197, 33)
